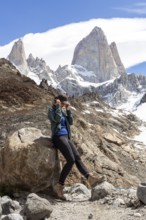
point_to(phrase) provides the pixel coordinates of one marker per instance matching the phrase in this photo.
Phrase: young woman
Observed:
(61, 118)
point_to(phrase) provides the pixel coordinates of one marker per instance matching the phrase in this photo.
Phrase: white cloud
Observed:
(137, 8)
(56, 46)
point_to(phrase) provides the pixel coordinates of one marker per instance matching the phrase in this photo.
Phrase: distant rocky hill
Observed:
(16, 89)
(122, 89)
(103, 135)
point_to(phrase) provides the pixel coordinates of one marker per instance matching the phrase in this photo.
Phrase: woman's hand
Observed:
(57, 102)
(67, 107)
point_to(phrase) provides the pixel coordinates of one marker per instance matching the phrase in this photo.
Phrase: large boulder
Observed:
(28, 161)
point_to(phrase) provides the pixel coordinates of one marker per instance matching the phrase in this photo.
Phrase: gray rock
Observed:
(13, 216)
(90, 216)
(0, 211)
(94, 54)
(9, 205)
(101, 190)
(17, 57)
(141, 192)
(5, 199)
(81, 189)
(120, 66)
(37, 208)
(117, 202)
(22, 150)
(137, 214)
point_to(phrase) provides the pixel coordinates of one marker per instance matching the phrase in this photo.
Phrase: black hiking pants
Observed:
(69, 151)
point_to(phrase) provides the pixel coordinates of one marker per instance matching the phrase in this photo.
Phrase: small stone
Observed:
(137, 214)
(118, 202)
(90, 216)
(131, 214)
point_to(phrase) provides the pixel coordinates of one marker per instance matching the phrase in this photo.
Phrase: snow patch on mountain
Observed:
(141, 112)
(133, 100)
(141, 137)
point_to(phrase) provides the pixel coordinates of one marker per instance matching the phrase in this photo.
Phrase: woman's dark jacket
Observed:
(55, 114)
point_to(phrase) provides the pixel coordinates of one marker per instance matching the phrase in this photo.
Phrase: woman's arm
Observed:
(54, 114)
(69, 117)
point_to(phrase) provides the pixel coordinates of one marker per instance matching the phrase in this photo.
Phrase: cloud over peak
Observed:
(56, 46)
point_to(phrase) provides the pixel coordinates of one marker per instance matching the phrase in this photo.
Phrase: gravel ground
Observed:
(93, 210)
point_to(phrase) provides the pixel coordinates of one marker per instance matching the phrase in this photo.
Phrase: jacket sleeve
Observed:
(55, 114)
(69, 117)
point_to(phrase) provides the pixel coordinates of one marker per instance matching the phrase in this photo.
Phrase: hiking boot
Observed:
(94, 180)
(58, 189)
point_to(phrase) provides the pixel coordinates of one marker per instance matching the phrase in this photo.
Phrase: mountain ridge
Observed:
(76, 80)
(58, 51)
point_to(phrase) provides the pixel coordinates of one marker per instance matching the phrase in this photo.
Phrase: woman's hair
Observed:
(63, 98)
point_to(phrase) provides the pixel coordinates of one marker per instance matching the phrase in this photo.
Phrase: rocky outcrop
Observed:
(94, 54)
(28, 161)
(75, 72)
(115, 53)
(73, 79)
(39, 67)
(117, 92)
(18, 58)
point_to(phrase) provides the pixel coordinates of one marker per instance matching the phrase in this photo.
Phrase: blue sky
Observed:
(19, 17)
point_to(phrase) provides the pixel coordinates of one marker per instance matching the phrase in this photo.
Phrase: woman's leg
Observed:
(80, 165)
(61, 143)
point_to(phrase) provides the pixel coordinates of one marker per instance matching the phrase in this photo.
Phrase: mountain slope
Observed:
(16, 89)
(103, 135)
